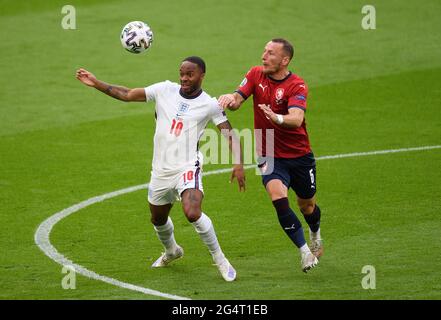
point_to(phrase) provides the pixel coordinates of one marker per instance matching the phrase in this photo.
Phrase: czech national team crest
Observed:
(279, 95)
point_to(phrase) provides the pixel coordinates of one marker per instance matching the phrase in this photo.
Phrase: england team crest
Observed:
(183, 107)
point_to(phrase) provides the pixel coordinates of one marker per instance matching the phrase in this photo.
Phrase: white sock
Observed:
(315, 235)
(304, 249)
(204, 227)
(166, 236)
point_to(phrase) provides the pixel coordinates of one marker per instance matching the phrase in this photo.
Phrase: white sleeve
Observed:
(218, 115)
(151, 92)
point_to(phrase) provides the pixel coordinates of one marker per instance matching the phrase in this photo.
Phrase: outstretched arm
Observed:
(231, 101)
(236, 148)
(117, 92)
(293, 119)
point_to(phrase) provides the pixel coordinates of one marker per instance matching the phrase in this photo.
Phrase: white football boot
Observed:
(226, 270)
(317, 247)
(165, 259)
(309, 261)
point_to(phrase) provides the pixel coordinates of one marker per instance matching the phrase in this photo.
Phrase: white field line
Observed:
(371, 153)
(42, 234)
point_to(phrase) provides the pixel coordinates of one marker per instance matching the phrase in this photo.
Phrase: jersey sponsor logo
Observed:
(183, 107)
(244, 82)
(279, 95)
(263, 87)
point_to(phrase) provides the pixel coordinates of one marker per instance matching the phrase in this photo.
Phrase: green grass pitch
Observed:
(62, 143)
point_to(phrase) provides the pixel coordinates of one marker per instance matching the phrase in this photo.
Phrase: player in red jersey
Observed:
(279, 98)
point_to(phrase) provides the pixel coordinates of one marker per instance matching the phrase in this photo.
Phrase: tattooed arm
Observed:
(117, 92)
(235, 147)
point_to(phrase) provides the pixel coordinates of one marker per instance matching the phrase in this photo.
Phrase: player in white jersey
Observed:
(182, 113)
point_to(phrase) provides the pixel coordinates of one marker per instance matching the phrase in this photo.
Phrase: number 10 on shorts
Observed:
(188, 176)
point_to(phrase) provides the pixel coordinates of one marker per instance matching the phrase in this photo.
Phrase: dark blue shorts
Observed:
(297, 173)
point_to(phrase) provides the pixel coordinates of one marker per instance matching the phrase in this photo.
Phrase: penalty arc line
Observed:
(43, 231)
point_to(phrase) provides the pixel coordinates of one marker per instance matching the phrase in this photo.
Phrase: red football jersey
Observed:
(281, 95)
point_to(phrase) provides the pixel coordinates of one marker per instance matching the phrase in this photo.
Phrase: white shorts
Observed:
(165, 190)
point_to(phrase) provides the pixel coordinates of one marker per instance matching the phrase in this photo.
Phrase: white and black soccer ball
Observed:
(136, 37)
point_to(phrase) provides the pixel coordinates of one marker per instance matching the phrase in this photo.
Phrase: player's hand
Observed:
(86, 77)
(269, 114)
(239, 174)
(226, 100)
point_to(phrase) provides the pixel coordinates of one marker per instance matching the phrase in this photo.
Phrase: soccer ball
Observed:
(136, 37)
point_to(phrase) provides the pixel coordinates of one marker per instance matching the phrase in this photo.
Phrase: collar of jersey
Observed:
(190, 97)
(281, 80)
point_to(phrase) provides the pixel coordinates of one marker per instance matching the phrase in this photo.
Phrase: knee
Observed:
(159, 214)
(192, 212)
(276, 189)
(307, 207)
(277, 194)
(158, 220)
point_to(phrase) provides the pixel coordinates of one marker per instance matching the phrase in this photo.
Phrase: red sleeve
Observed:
(298, 98)
(246, 87)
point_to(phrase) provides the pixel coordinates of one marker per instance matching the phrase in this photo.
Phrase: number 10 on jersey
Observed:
(176, 127)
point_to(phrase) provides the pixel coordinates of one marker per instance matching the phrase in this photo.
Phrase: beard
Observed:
(268, 70)
(191, 89)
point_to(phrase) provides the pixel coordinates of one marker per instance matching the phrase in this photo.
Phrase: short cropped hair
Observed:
(196, 60)
(287, 46)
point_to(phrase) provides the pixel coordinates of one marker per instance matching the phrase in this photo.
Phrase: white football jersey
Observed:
(180, 123)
